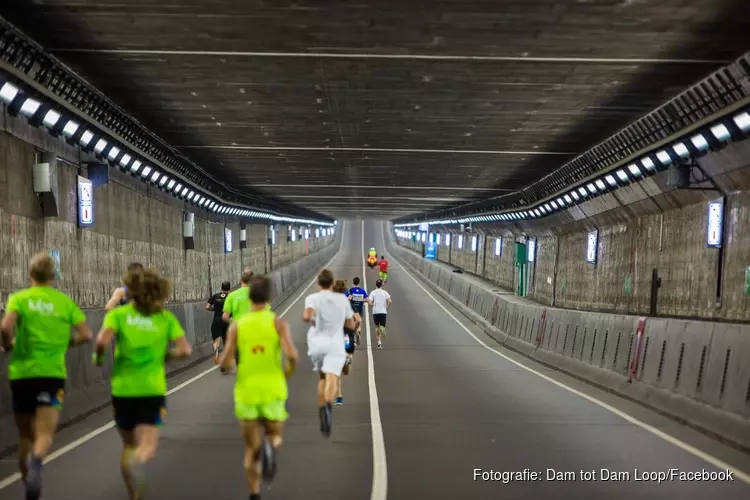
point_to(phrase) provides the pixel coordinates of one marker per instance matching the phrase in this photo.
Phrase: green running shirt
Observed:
(141, 344)
(45, 316)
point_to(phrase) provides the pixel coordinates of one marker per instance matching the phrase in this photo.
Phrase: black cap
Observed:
(379, 283)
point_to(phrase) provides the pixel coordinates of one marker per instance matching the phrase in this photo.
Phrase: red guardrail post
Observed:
(638, 344)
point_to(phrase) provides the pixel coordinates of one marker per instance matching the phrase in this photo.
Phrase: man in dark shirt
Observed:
(219, 327)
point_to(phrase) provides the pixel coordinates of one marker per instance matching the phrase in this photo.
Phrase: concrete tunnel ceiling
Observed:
(385, 109)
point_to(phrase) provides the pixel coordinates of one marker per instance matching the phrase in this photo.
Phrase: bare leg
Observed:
(146, 439)
(45, 425)
(251, 434)
(331, 384)
(321, 389)
(24, 423)
(128, 450)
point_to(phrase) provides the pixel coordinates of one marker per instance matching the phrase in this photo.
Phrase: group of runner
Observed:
(36, 330)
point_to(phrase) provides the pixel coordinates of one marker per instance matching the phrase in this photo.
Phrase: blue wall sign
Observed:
(85, 202)
(431, 250)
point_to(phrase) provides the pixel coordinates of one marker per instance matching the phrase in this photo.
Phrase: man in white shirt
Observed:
(328, 313)
(380, 300)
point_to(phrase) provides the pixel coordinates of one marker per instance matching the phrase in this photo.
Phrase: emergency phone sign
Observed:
(715, 224)
(85, 202)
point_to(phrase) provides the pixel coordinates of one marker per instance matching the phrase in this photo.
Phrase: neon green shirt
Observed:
(45, 316)
(141, 344)
(260, 373)
(238, 303)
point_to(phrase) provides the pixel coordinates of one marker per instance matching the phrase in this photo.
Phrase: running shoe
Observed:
(326, 420)
(268, 458)
(380, 345)
(339, 402)
(33, 478)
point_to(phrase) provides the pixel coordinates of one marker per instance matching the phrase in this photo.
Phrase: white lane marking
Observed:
(379, 466)
(716, 462)
(4, 483)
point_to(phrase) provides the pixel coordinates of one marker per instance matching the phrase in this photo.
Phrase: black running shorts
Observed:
(219, 329)
(350, 334)
(379, 319)
(134, 411)
(30, 393)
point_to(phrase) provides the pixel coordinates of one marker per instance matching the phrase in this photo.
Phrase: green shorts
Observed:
(383, 275)
(275, 412)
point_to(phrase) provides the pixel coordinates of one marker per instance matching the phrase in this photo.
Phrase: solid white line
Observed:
(719, 464)
(379, 465)
(377, 150)
(408, 57)
(4, 483)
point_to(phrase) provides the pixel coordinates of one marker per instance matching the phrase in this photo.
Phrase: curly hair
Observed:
(148, 289)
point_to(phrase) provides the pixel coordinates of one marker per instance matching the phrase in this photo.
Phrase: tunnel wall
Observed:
(695, 371)
(673, 242)
(132, 222)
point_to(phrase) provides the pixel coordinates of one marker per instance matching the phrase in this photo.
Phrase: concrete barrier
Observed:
(87, 388)
(697, 372)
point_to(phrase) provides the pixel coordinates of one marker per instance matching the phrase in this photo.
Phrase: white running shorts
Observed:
(328, 363)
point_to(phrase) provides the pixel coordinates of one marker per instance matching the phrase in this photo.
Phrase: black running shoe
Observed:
(268, 457)
(325, 420)
(33, 478)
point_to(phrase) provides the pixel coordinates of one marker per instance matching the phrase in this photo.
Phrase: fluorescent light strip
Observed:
(113, 153)
(135, 166)
(30, 106)
(8, 92)
(70, 128)
(51, 118)
(86, 138)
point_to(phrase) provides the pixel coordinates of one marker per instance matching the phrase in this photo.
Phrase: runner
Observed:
(218, 325)
(237, 303)
(120, 295)
(380, 300)
(142, 330)
(349, 344)
(372, 258)
(260, 391)
(383, 266)
(36, 331)
(357, 297)
(328, 313)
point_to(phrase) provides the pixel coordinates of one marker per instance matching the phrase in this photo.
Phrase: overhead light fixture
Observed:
(554, 204)
(86, 138)
(125, 160)
(681, 150)
(600, 184)
(190, 196)
(700, 142)
(721, 133)
(155, 177)
(633, 168)
(100, 146)
(622, 175)
(8, 92)
(743, 121)
(171, 184)
(568, 199)
(582, 192)
(135, 166)
(30, 106)
(664, 157)
(610, 180)
(575, 196)
(51, 118)
(648, 163)
(70, 128)
(184, 191)
(163, 180)
(592, 188)
(113, 153)
(146, 170)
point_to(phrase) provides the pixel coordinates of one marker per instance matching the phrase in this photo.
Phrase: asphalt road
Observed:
(447, 406)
